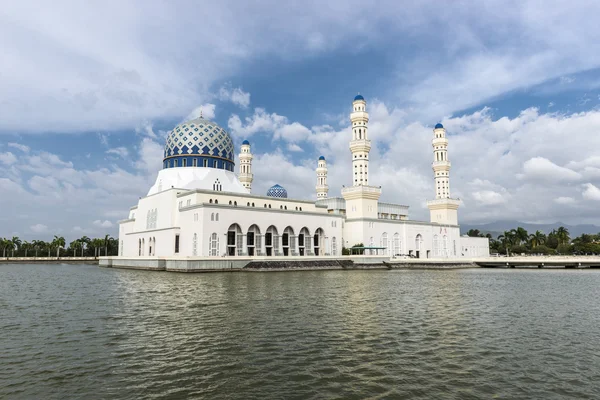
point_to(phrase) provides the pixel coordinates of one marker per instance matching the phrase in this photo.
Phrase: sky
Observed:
(89, 91)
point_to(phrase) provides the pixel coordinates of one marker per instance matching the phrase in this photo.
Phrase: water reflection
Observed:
(86, 332)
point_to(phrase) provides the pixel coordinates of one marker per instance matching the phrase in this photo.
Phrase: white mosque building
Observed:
(200, 208)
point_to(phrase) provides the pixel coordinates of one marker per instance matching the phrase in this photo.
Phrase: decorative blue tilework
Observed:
(208, 139)
(277, 191)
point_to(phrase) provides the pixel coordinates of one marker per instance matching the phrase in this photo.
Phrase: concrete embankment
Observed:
(208, 264)
(49, 260)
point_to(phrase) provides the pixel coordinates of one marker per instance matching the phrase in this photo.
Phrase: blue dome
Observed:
(202, 140)
(438, 126)
(277, 191)
(246, 142)
(321, 158)
(358, 97)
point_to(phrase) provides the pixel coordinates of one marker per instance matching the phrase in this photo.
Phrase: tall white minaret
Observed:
(245, 176)
(443, 209)
(441, 165)
(360, 145)
(322, 188)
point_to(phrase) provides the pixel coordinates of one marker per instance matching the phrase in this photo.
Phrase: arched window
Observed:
(248, 205)
(265, 205)
(285, 207)
(230, 202)
(195, 245)
(212, 216)
(210, 201)
(333, 246)
(281, 207)
(217, 217)
(269, 206)
(300, 208)
(213, 245)
(252, 204)
(235, 203)
(216, 201)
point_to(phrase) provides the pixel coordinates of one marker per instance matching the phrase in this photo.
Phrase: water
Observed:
(86, 332)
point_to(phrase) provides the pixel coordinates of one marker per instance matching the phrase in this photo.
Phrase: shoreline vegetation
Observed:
(57, 249)
(558, 242)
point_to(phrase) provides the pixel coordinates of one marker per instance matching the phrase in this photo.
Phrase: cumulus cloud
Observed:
(236, 96)
(18, 146)
(39, 228)
(206, 110)
(564, 200)
(591, 192)
(103, 224)
(293, 147)
(544, 170)
(118, 151)
(489, 197)
(8, 158)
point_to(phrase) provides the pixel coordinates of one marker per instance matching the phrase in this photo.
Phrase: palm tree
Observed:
(74, 245)
(85, 242)
(562, 234)
(520, 235)
(16, 244)
(37, 244)
(4, 243)
(26, 246)
(96, 244)
(474, 233)
(537, 238)
(58, 242)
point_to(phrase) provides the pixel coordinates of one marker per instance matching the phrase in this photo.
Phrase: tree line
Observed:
(82, 247)
(558, 241)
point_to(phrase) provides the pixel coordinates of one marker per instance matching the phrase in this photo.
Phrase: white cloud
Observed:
(489, 197)
(206, 110)
(118, 151)
(103, 224)
(8, 158)
(236, 96)
(39, 228)
(564, 200)
(544, 170)
(22, 147)
(293, 147)
(591, 192)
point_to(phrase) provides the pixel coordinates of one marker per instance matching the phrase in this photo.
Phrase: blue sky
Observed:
(89, 92)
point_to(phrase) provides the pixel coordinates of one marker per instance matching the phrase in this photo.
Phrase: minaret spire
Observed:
(360, 145)
(322, 188)
(443, 210)
(245, 176)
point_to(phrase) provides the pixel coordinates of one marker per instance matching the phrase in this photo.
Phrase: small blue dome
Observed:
(277, 191)
(246, 142)
(358, 97)
(438, 126)
(321, 158)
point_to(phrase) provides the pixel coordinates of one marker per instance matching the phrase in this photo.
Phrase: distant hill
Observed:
(498, 227)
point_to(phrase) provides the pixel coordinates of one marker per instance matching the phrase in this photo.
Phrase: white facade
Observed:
(198, 207)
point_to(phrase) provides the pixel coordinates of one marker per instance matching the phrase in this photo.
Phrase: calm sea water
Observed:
(87, 332)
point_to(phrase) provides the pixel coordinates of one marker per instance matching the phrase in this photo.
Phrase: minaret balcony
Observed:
(439, 141)
(446, 164)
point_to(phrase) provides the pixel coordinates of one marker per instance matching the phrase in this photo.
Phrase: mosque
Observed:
(200, 208)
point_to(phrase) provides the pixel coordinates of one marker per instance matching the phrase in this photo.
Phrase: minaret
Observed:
(443, 209)
(441, 165)
(361, 199)
(322, 187)
(360, 145)
(245, 176)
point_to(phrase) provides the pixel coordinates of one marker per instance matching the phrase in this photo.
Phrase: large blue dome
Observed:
(438, 126)
(246, 142)
(358, 97)
(277, 191)
(199, 143)
(321, 158)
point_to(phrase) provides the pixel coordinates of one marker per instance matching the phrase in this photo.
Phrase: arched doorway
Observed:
(396, 245)
(318, 242)
(304, 241)
(418, 245)
(234, 240)
(384, 243)
(253, 240)
(271, 241)
(287, 242)
(213, 245)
